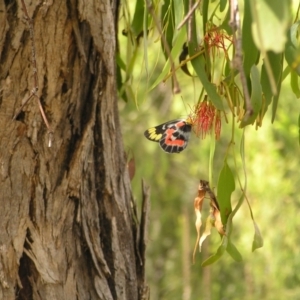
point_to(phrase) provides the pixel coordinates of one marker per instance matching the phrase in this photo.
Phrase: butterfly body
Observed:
(172, 136)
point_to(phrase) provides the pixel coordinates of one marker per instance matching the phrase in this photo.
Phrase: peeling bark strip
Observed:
(67, 229)
(34, 90)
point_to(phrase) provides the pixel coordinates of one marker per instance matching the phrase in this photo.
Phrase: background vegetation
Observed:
(272, 166)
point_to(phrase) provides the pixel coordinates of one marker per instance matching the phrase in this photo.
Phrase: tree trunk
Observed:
(67, 228)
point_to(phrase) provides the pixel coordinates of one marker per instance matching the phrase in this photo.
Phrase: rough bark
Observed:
(67, 228)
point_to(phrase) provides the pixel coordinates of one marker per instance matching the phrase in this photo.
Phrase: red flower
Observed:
(215, 38)
(204, 117)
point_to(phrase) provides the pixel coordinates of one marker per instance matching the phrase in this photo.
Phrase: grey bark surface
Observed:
(67, 228)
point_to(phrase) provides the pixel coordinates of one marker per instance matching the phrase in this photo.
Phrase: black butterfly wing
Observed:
(172, 136)
(175, 138)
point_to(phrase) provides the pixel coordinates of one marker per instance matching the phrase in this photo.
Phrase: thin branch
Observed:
(166, 46)
(35, 89)
(205, 186)
(190, 23)
(189, 14)
(143, 240)
(238, 59)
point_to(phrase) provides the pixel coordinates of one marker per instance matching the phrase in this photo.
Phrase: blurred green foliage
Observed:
(271, 158)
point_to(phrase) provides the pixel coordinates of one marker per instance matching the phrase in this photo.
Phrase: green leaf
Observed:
(178, 11)
(180, 39)
(225, 24)
(299, 128)
(276, 97)
(222, 5)
(168, 22)
(137, 21)
(255, 98)
(234, 252)
(225, 188)
(120, 62)
(215, 257)
(275, 61)
(271, 19)
(120, 85)
(258, 240)
(145, 39)
(292, 49)
(199, 64)
(295, 84)
(205, 4)
(251, 52)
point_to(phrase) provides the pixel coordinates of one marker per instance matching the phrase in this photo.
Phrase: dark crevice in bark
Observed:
(32, 205)
(76, 207)
(27, 273)
(24, 293)
(45, 198)
(25, 39)
(86, 96)
(44, 96)
(11, 7)
(104, 221)
(87, 101)
(11, 12)
(20, 117)
(76, 136)
(81, 117)
(105, 236)
(64, 87)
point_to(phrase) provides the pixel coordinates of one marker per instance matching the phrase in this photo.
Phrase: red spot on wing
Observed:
(179, 143)
(180, 124)
(169, 141)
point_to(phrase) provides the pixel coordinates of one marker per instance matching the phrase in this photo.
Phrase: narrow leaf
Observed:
(255, 97)
(295, 84)
(198, 63)
(251, 53)
(212, 259)
(168, 23)
(292, 49)
(299, 128)
(180, 39)
(222, 5)
(276, 66)
(276, 97)
(225, 188)
(234, 252)
(258, 241)
(137, 21)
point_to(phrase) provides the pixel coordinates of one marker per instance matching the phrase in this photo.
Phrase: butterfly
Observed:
(172, 136)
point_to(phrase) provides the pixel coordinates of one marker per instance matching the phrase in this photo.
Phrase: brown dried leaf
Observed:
(218, 222)
(198, 207)
(206, 232)
(198, 223)
(201, 191)
(131, 168)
